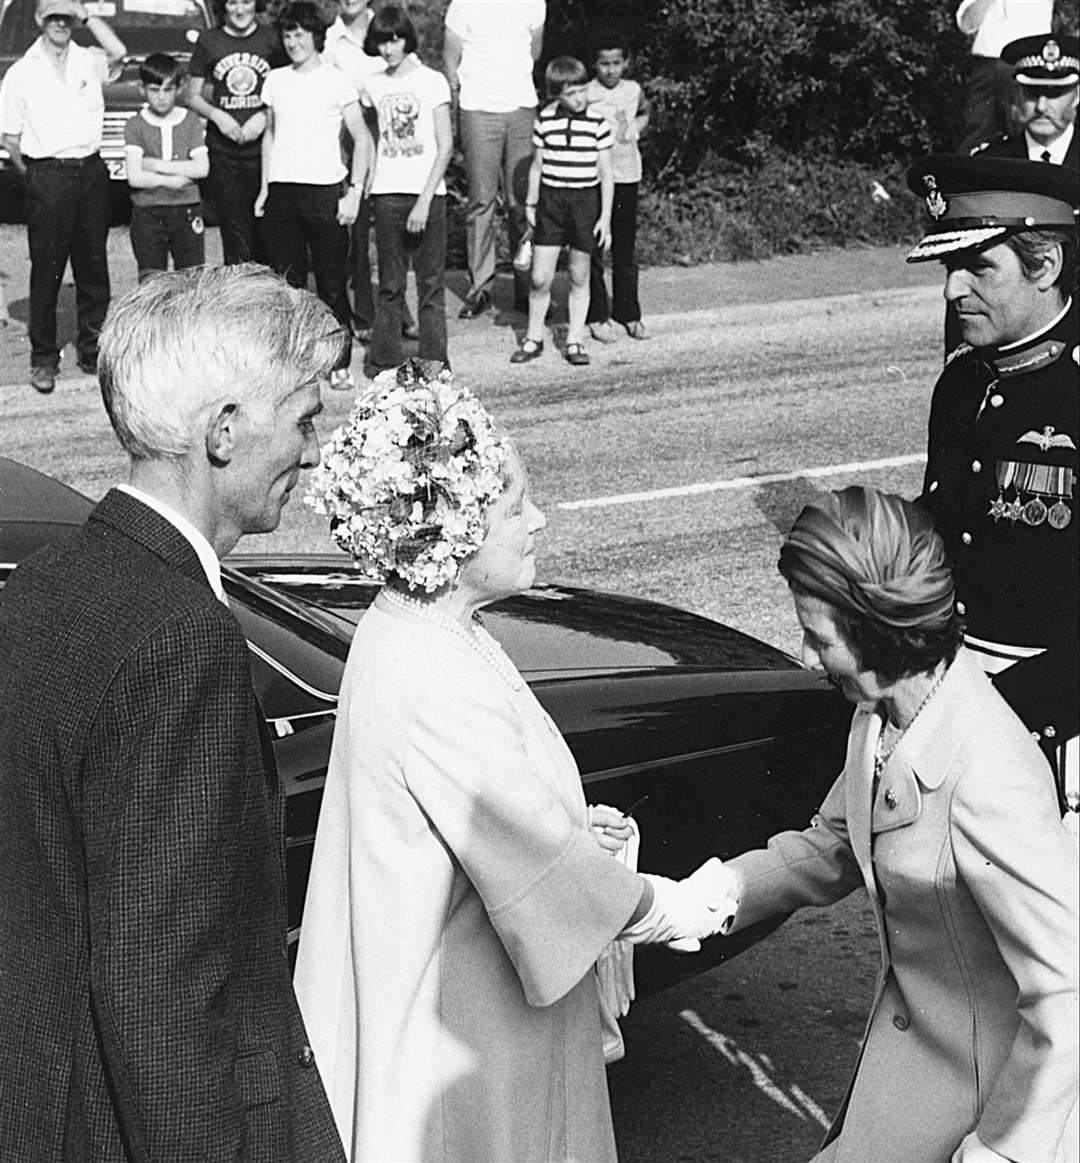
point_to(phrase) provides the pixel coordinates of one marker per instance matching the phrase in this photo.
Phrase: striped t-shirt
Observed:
(570, 145)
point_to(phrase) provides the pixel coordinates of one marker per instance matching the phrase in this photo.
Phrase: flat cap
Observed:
(976, 199)
(1044, 60)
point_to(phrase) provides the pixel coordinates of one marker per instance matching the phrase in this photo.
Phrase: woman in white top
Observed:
(458, 900)
(306, 202)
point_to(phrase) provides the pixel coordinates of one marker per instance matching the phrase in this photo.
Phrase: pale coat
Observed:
(456, 906)
(974, 886)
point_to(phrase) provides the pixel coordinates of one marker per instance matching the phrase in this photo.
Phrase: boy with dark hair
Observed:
(569, 202)
(623, 105)
(166, 155)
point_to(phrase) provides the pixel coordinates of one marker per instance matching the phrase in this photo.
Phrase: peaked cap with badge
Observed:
(976, 200)
(1044, 60)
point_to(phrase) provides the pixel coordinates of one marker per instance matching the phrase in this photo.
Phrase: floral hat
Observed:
(406, 480)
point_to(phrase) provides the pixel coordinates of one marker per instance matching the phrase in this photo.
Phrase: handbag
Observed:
(523, 256)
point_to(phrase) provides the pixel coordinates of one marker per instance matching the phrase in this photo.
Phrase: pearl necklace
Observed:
(881, 756)
(474, 635)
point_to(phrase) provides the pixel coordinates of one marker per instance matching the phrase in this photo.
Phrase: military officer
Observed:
(1046, 71)
(1002, 461)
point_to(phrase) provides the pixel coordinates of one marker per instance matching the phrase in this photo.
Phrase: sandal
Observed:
(636, 330)
(577, 355)
(529, 349)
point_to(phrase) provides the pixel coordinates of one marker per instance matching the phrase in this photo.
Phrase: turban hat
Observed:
(872, 553)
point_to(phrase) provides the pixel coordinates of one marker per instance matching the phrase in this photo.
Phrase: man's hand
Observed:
(602, 234)
(348, 206)
(259, 209)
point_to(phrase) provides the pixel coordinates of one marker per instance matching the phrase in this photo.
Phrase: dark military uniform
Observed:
(1017, 147)
(1001, 482)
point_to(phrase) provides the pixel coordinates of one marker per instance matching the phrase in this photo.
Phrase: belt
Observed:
(62, 163)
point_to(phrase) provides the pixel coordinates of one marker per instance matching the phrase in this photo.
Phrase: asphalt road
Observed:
(670, 468)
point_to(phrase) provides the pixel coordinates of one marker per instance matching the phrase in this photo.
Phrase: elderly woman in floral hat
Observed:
(946, 815)
(458, 898)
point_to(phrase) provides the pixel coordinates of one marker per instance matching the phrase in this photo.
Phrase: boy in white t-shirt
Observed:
(621, 102)
(413, 144)
(165, 153)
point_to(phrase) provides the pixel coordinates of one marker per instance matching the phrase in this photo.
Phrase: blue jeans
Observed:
(428, 252)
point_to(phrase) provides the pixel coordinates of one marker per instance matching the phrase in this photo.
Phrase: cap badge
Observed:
(935, 200)
(1051, 52)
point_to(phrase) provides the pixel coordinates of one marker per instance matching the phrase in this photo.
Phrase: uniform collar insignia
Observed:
(1015, 363)
(935, 200)
(1046, 439)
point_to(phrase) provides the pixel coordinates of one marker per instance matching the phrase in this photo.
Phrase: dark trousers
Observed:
(625, 307)
(158, 231)
(360, 271)
(989, 103)
(428, 251)
(68, 209)
(301, 219)
(233, 185)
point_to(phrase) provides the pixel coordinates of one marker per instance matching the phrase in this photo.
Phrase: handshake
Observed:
(684, 912)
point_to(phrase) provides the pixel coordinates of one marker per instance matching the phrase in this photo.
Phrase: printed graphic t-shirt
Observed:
(618, 106)
(237, 67)
(405, 106)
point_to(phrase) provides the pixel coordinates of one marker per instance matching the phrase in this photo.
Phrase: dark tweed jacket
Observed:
(144, 990)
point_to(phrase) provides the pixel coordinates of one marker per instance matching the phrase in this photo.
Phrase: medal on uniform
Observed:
(1058, 515)
(1033, 513)
(1004, 475)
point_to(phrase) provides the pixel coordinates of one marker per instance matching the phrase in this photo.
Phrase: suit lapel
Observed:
(858, 791)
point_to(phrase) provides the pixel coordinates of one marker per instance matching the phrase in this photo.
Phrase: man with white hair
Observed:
(51, 114)
(146, 1003)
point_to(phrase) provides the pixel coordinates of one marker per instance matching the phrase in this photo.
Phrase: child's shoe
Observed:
(636, 330)
(602, 331)
(529, 349)
(577, 355)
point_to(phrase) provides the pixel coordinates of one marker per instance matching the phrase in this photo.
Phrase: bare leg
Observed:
(578, 302)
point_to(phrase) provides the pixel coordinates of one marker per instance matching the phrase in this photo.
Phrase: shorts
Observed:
(567, 217)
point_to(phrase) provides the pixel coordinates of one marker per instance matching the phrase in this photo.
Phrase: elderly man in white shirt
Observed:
(993, 24)
(51, 113)
(488, 55)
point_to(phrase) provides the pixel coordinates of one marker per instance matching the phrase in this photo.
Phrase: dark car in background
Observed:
(729, 739)
(145, 26)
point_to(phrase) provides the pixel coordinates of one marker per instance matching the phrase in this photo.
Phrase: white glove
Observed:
(684, 912)
(973, 1150)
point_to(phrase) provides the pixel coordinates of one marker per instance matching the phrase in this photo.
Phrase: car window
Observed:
(145, 26)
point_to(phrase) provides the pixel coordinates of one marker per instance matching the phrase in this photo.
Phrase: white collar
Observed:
(203, 549)
(1042, 330)
(339, 30)
(1057, 149)
(175, 115)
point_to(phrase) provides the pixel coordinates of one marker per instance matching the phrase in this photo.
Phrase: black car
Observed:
(720, 739)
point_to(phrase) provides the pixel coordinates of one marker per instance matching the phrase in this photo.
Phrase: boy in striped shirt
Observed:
(568, 203)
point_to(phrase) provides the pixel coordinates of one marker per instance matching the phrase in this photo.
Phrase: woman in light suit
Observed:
(458, 900)
(946, 814)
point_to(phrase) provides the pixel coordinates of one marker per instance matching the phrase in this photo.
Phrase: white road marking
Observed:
(771, 478)
(759, 1068)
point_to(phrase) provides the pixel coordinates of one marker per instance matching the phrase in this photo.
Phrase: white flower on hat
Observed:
(407, 479)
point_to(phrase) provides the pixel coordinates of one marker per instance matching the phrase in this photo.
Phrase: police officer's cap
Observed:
(974, 200)
(1044, 60)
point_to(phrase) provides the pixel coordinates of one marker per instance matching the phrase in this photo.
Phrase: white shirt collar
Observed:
(1042, 330)
(203, 549)
(1057, 149)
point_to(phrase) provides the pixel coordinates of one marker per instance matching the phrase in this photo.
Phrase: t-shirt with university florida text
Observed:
(237, 68)
(619, 107)
(176, 137)
(570, 145)
(405, 104)
(308, 113)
